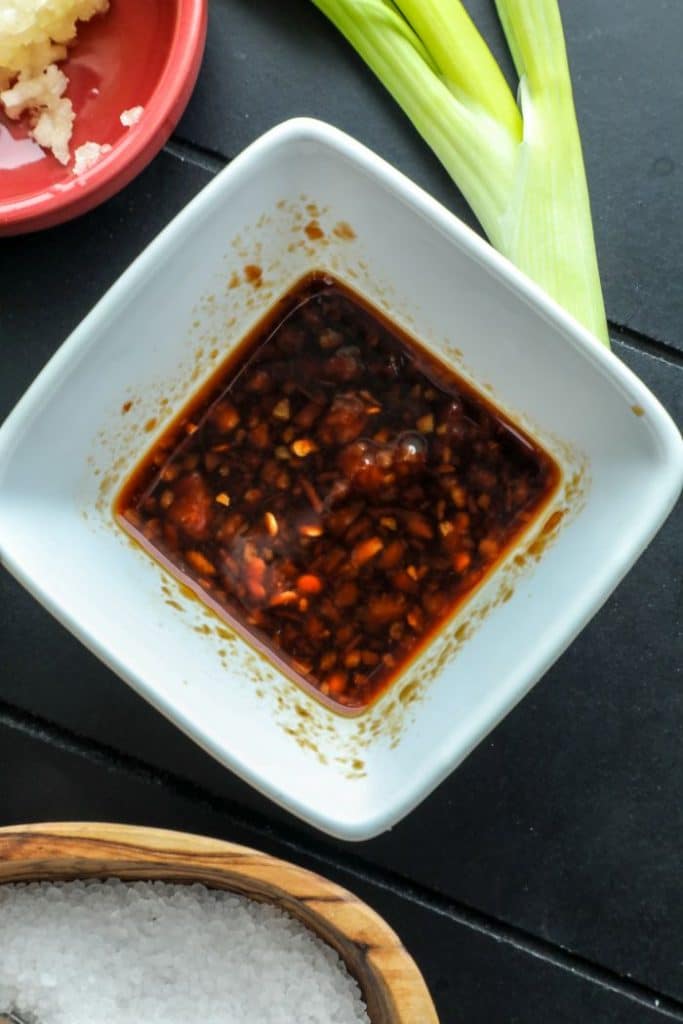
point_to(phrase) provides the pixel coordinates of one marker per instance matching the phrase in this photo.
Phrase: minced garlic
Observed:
(33, 35)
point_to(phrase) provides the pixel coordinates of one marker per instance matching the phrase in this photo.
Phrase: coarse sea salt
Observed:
(93, 952)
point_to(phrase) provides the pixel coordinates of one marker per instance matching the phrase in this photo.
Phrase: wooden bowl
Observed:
(392, 986)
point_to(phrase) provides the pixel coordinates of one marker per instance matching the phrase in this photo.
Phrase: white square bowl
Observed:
(176, 312)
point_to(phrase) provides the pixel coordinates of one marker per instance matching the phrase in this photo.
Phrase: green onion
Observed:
(520, 167)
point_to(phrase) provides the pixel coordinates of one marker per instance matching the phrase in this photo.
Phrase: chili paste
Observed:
(335, 492)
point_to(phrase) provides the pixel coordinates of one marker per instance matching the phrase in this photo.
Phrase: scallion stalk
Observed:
(519, 167)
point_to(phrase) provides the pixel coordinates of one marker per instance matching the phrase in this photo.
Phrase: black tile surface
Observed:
(268, 60)
(566, 823)
(473, 975)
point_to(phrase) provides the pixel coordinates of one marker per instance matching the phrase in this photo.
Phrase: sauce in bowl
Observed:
(335, 492)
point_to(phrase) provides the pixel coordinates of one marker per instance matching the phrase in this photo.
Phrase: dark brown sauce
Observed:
(345, 231)
(314, 231)
(253, 275)
(335, 492)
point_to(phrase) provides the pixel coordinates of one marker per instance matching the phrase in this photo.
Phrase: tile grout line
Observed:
(213, 161)
(639, 342)
(385, 879)
(188, 152)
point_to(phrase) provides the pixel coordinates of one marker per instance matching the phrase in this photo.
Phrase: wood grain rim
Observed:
(393, 988)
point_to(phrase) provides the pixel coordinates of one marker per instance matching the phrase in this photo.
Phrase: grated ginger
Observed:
(33, 35)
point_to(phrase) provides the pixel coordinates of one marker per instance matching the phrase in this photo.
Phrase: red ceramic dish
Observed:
(138, 54)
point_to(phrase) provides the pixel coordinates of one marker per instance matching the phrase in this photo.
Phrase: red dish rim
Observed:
(135, 149)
